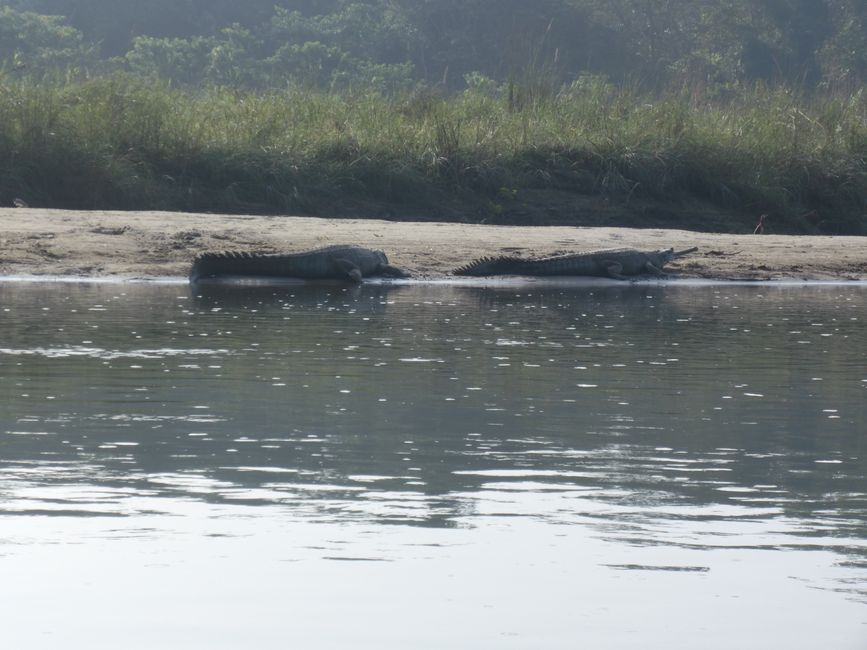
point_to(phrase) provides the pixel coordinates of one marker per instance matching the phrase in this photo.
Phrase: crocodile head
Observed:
(669, 253)
(387, 269)
(663, 257)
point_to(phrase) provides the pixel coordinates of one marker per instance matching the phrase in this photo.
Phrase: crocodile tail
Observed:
(222, 263)
(490, 266)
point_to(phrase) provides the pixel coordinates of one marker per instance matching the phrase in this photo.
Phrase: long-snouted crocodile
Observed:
(350, 263)
(618, 263)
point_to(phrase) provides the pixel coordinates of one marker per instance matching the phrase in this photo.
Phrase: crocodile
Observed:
(351, 263)
(617, 263)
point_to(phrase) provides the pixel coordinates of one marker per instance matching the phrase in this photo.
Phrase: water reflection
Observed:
(696, 419)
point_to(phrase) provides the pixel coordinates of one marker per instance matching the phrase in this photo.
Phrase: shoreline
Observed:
(503, 281)
(127, 246)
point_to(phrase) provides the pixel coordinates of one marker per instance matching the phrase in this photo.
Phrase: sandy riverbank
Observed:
(156, 244)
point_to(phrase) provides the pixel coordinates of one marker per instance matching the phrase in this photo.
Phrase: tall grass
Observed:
(124, 143)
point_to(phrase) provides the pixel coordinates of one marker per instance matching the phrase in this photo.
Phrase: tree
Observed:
(717, 44)
(35, 46)
(843, 56)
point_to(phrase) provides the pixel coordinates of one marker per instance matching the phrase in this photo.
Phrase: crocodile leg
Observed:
(614, 270)
(349, 268)
(652, 268)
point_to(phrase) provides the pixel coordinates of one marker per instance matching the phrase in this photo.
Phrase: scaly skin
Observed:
(617, 263)
(350, 263)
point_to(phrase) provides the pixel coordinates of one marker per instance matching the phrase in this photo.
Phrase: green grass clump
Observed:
(124, 143)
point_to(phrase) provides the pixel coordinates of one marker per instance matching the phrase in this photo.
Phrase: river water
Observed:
(433, 466)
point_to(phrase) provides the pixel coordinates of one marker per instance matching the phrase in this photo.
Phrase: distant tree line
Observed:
(715, 46)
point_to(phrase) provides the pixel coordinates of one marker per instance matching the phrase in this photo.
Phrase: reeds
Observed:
(124, 143)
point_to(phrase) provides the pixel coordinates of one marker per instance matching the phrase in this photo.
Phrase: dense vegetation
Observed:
(701, 114)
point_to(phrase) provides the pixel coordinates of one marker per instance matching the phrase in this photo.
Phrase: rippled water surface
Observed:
(391, 467)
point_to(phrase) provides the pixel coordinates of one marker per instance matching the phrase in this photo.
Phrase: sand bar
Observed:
(113, 244)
